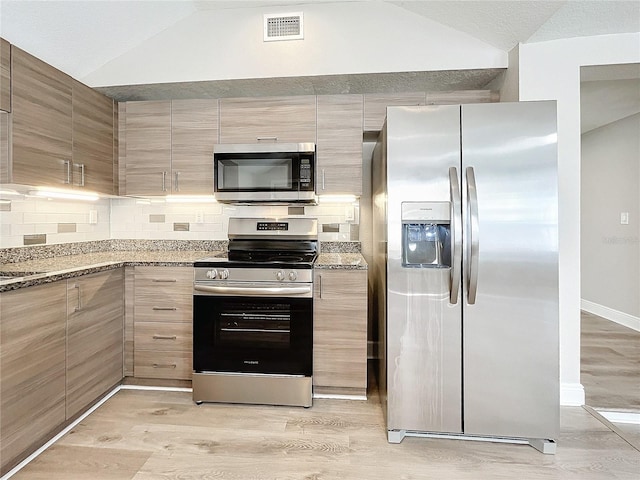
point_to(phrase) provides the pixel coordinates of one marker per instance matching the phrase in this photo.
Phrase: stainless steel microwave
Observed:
(265, 173)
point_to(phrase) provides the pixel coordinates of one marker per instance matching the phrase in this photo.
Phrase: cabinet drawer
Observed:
(163, 364)
(173, 337)
(163, 308)
(164, 279)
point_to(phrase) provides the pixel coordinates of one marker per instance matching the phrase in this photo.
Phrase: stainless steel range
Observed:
(253, 315)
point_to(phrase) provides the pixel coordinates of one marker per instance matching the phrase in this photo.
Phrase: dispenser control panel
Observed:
(433, 212)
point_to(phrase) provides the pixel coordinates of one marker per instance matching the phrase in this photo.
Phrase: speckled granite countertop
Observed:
(345, 261)
(35, 272)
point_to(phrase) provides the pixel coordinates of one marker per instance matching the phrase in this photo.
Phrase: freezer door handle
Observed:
(474, 241)
(456, 235)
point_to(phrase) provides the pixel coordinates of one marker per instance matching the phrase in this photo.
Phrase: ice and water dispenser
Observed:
(426, 235)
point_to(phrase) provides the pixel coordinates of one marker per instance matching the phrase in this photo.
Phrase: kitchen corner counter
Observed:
(344, 261)
(35, 272)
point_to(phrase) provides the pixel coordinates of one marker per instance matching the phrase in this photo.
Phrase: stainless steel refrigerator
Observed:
(466, 271)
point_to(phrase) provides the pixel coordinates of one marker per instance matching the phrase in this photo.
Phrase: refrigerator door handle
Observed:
(456, 235)
(474, 241)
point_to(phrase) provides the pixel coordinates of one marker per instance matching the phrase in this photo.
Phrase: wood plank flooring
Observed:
(145, 435)
(610, 364)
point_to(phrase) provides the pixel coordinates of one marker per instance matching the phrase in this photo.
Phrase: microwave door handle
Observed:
(456, 235)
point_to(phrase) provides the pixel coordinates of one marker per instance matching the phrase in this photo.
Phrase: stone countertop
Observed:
(343, 261)
(35, 272)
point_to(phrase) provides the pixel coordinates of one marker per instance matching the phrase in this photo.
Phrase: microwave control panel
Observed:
(305, 172)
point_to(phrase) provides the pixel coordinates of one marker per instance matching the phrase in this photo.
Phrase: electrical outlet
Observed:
(349, 213)
(624, 218)
(199, 217)
(93, 217)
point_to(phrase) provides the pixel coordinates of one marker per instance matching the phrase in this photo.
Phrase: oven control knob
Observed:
(280, 275)
(223, 274)
(212, 274)
(293, 275)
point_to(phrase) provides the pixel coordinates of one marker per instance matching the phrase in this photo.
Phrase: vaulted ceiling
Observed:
(79, 36)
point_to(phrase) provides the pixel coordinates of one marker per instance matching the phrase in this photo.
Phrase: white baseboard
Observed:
(572, 395)
(616, 316)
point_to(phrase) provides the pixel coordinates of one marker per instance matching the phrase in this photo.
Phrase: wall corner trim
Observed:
(571, 395)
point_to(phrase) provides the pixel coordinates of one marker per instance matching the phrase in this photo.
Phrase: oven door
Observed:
(253, 328)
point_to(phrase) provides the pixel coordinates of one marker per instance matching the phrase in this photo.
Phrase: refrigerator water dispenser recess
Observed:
(426, 234)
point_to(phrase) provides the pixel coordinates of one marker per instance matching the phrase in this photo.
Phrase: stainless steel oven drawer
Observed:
(294, 390)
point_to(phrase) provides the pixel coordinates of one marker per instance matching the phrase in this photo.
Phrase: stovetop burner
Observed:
(268, 243)
(271, 257)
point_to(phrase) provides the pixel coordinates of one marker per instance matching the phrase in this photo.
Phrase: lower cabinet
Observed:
(95, 306)
(32, 369)
(340, 332)
(60, 350)
(163, 305)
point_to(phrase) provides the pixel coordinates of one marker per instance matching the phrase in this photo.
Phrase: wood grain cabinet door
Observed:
(4, 148)
(268, 119)
(339, 145)
(340, 331)
(32, 368)
(5, 75)
(194, 132)
(41, 124)
(375, 106)
(92, 140)
(95, 304)
(148, 148)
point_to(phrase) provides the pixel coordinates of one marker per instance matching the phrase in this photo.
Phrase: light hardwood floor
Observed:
(610, 364)
(144, 435)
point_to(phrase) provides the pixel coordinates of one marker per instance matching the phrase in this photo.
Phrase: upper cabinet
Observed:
(375, 107)
(339, 144)
(268, 119)
(92, 139)
(5, 75)
(4, 147)
(167, 147)
(194, 132)
(41, 124)
(148, 148)
(62, 130)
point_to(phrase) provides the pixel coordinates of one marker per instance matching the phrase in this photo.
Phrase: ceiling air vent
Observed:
(283, 26)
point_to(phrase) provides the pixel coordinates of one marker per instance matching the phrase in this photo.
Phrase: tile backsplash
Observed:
(54, 221)
(63, 221)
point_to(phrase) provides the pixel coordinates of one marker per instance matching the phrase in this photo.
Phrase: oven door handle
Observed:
(257, 291)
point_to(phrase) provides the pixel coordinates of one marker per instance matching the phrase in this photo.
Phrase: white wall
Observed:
(339, 38)
(610, 251)
(551, 71)
(510, 87)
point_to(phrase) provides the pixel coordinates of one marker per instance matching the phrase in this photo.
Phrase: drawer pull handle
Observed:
(165, 337)
(165, 308)
(164, 280)
(165, 365)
